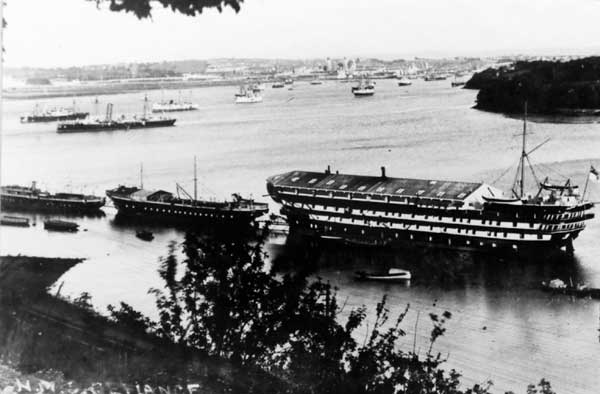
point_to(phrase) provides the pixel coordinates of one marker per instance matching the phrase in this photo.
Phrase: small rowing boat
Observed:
(392, 275)
(145, 235)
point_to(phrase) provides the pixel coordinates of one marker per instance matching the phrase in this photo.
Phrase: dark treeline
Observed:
(549, 87)
(220, 300)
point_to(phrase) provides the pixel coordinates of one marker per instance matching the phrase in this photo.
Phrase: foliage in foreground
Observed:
(143, 8)
(219, 299)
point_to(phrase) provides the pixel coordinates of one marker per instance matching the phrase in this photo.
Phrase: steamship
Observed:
(381, 211)
(174, 106)
(138, 202)
(33, 199)
(53, 115)
(120, 123)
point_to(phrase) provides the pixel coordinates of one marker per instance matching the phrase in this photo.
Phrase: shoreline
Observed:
(99, 88)
(574, 118)
(53, 341)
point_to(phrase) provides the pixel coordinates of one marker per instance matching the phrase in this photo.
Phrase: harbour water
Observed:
(503, 327)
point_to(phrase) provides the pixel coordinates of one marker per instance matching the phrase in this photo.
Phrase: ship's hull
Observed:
(61, 225)
(360, 236)
(186, 214)
(363, 92)
(53, 118)
(248, 100)
(375, 218)
(42, 204)
(110, 126)
(159, 110)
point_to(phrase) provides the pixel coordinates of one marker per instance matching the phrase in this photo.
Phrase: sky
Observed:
(47, 33)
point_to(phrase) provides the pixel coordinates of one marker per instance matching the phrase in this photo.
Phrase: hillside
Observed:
(550, 87)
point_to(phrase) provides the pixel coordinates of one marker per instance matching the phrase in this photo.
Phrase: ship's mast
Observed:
(145, 106)
(523, 153)
(195, 181)
(141, 175)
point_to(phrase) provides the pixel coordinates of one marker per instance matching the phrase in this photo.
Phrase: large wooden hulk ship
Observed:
(159, 204)
(33, 199)
(378, 210)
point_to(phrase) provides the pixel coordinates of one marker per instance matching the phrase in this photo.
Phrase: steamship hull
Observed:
(77, 127)
(183, 213)
(172, 210)
(53, 118)
(380, 211)
(50, 204)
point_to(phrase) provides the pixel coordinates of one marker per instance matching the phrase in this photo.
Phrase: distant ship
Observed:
(288, 81)
(244, 89)
(248, 96)
(382, 211)
(435, 77)
(455, 84)
(404, 81)
(173, 106)
(33, 199)
(160, 204)
(316, 81)
(364, 88)
(277, 85)
(120, 123)
(53, 115)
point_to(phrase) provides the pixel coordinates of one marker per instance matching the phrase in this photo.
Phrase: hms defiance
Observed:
(460, 215)
(382, 211)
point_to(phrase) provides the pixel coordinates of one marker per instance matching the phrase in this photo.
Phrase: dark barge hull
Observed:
(110, 126)
(50, 204)
(50, 118)
(185, 214)
(60, 225)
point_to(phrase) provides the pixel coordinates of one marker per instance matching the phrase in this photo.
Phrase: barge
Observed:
(17, 221)
(61, 225)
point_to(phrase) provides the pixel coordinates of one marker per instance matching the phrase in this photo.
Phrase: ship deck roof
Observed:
(405, 187)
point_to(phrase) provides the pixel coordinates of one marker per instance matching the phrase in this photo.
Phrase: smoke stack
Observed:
(328, 170)
(383, 172)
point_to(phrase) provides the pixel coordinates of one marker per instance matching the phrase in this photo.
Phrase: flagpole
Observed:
(587, 180)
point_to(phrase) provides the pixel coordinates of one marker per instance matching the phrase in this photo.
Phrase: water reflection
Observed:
(434, 267)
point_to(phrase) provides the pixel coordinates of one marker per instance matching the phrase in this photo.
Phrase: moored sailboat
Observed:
(364, 88)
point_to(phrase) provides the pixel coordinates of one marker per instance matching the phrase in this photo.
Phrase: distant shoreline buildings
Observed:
(226, 69)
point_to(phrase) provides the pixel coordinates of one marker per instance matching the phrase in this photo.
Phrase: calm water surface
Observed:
(502, 328)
